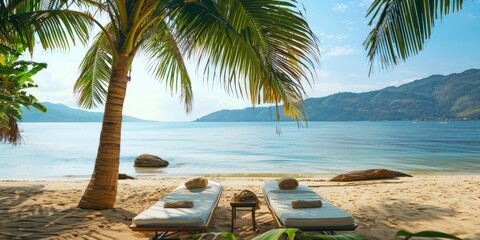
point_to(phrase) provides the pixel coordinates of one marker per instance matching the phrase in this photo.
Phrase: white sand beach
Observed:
(46, 209)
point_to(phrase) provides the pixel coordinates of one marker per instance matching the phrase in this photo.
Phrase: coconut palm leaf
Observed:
(49, 21)
(56, 29)
(425, 234)
(95, 69)
(252, 54)
(401, 28)
(166, 61)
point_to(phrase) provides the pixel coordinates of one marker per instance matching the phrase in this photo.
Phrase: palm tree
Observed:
(401, 28)
(261, 50)
(21, 23)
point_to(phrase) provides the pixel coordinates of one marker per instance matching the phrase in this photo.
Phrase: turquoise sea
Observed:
(59, 150)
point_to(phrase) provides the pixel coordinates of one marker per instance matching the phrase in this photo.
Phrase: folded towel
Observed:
(306, 204)
(178, 204)
(287, 183)
(196, 182)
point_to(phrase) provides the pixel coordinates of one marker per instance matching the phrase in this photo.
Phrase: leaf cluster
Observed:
(22, 24)
(295, 233)
(261, 50)
(15, 79)
(51, 23)
(402, 28)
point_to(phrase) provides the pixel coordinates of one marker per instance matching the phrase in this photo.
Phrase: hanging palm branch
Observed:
(50, 22)
(402, 27)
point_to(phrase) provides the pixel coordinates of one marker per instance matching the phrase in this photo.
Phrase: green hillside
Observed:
(452, 97)
(62, 113)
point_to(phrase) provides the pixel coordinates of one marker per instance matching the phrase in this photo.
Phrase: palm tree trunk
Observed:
(101, 192)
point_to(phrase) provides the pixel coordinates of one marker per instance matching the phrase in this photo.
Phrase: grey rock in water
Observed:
(148, 160)
(368, 175)
(122, 176)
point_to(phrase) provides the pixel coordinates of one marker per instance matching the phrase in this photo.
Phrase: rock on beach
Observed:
(148, 160)
(368, 175)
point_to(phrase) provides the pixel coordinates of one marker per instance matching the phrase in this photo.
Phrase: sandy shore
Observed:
(37, 209)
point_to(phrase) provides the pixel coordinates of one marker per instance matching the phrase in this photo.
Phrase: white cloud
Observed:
(471, 16)
(364, 3)
(339, 7)
(349, 22)
(353, 75)
(322, 74)
(339, 51)
(333, 37)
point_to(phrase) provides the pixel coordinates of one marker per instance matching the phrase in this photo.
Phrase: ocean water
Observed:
(59, 150)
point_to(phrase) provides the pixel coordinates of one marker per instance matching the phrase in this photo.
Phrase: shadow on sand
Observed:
(23, 215)
(393, 216)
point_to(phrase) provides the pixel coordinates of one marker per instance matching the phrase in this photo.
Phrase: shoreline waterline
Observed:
(69, 149)
(318, 176)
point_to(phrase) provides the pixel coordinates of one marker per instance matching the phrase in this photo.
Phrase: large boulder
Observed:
(368, 175)
(148, 160)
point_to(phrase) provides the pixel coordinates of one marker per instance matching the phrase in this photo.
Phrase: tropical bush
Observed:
(15, 79)
(295, 233)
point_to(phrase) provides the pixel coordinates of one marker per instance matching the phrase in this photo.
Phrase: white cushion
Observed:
(204, 201)
(326, 216)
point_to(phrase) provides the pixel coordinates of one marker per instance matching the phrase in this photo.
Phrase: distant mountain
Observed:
(63, 113)
(452, 97)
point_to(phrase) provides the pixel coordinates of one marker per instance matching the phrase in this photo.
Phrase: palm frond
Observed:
(9, 130)
(95, 69)
(50, 22)
(56, 29)
(402, 27)
(262, 50)
(166, 62)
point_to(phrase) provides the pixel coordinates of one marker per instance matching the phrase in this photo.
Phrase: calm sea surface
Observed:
(58, 150)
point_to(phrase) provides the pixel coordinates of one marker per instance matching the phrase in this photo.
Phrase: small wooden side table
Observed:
(237, 205)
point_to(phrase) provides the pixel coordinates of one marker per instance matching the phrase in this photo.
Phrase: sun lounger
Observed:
(168, 221)
(327, 218)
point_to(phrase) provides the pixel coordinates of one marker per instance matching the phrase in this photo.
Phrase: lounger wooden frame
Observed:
(161, 233)
(329, 230)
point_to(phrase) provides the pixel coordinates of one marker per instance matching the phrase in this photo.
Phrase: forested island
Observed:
(452, 97)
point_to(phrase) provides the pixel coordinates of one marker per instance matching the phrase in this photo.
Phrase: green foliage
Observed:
(294, 233)
(22, 22)
(49, 22)
(402, 27)
(210, 236)
(275, 234)
(425, 234)
(15, 79)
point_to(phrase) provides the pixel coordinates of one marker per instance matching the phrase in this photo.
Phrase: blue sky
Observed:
(341, 27)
